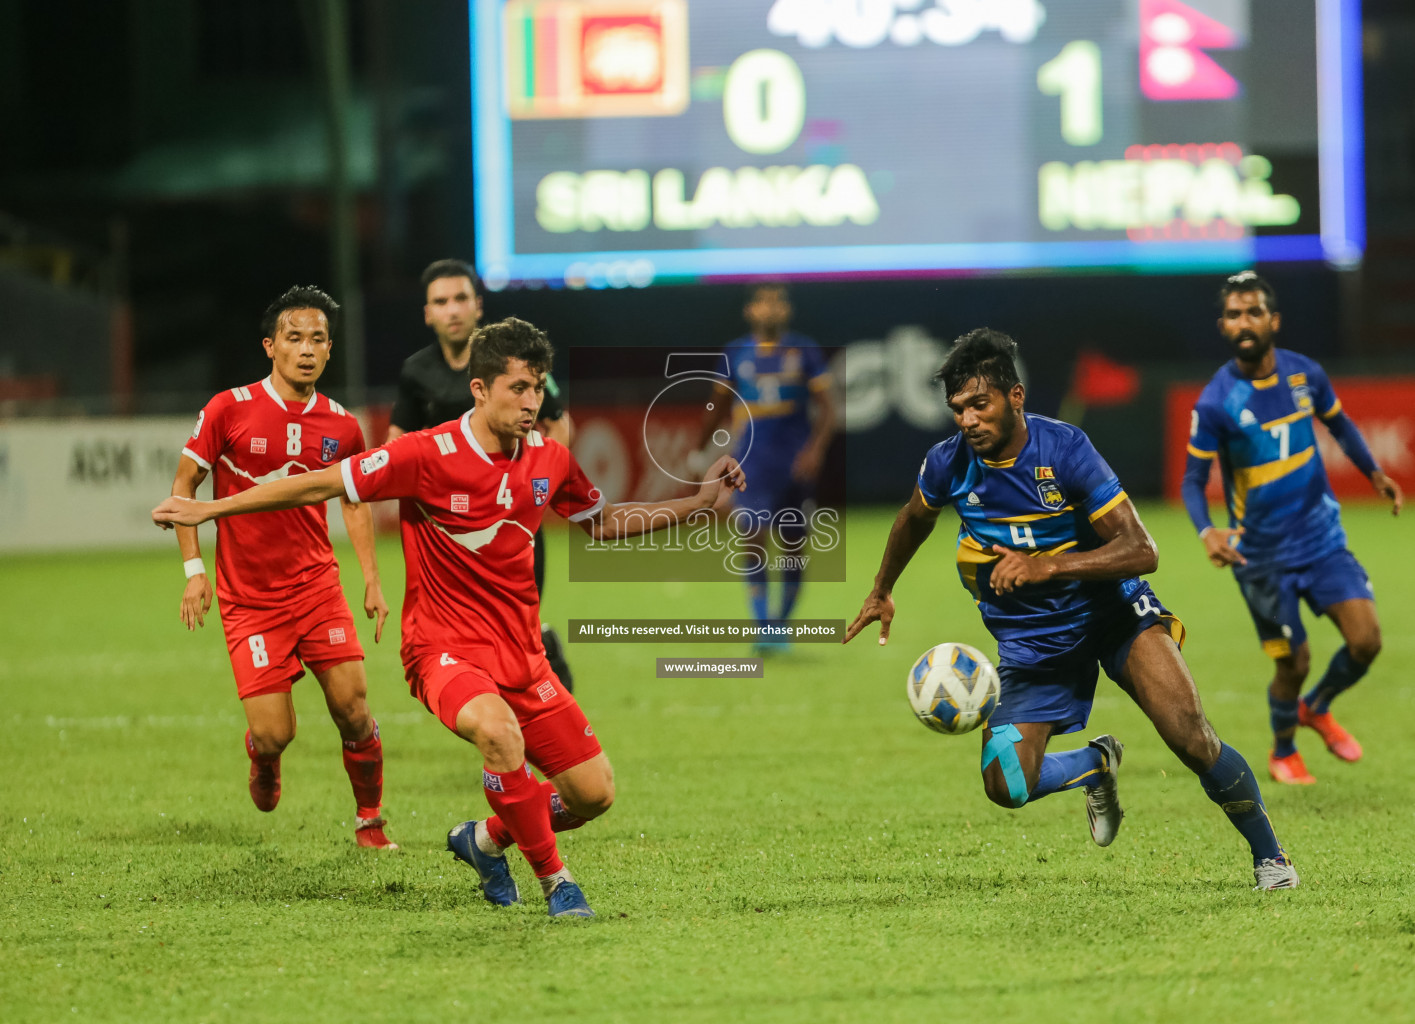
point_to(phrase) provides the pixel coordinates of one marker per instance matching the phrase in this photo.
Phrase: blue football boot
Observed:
(567, 900)
(497, 885)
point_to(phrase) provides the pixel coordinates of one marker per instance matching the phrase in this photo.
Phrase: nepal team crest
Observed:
(540, 489)
(328, 448)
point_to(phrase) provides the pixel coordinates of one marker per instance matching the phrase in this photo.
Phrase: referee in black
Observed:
(434, 386)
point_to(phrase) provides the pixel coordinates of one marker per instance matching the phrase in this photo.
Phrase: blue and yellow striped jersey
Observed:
(1263, 434)
(775, 382)
(1043, 502)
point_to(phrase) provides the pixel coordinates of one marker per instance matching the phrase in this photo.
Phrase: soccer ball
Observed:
(953, 688)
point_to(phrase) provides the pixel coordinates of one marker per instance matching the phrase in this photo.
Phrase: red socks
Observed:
(522, 817)
(258, 758)
(561, 820)
(363, 760)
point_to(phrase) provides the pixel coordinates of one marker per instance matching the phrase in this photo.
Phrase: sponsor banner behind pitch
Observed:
(90, 483)
(1383, 407)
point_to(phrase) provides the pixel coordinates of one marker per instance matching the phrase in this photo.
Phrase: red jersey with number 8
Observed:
(248, 436)
(468, 521)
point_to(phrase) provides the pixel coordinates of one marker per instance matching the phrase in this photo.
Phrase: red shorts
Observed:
(267, 645)
(556, 733)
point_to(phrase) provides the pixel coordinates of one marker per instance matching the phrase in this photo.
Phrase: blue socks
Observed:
(1084, 767)
(756, 593)
(1342, 674)
(790, 587)
(1283, 715)
(1231, 785)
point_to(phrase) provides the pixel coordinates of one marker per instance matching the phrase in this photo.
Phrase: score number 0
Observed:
(764, 97)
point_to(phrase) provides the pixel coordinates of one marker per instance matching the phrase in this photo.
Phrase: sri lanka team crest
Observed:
(328, 448)
(1301, 393)
(1047, 488)
(540, 489)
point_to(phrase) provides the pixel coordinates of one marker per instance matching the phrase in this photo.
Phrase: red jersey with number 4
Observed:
(248, 436)
(468, 521)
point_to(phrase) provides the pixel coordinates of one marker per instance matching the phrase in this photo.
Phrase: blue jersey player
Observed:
(778, 375)
(1284, 538)
(1051, 550)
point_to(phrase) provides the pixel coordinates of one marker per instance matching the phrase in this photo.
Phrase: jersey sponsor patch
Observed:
(328, 448)
(336, 635)
(973, 498)
(446, 659)
(540, 489)
(257, 446)
(460, 502)
(545, 690)
(1246, 418)
(1051, 494)
(373, 463)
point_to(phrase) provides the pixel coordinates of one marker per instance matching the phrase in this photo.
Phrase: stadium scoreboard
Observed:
(622, 142)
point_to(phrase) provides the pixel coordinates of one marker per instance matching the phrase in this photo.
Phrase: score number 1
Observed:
(1074, 74)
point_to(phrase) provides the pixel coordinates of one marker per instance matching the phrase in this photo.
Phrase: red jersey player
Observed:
(281, 602)
(473, 491)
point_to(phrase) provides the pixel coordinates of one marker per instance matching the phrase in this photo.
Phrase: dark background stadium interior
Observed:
(168, 166)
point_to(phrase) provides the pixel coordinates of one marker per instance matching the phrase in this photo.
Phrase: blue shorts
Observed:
(770, 489)
(1061, 688)
(1275, 597)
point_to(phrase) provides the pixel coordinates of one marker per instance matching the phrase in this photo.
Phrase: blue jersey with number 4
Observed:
(1041, 503)
(1263, 434)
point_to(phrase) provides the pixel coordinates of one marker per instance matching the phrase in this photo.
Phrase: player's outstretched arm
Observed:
(358, 520)
(1128, 550)
(196, 597)
(292, 492)
(630, 519)
(911, 528)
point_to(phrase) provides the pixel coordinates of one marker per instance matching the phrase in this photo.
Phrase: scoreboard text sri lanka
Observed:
(621, 142)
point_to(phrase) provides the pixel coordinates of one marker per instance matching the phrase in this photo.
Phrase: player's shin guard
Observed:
(1342, 673)
(523, 816)
(1069, 769)
(1230, 783)
(1283, 715)
(363, 761)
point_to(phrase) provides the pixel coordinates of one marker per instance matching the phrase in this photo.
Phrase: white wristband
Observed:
(194, 567)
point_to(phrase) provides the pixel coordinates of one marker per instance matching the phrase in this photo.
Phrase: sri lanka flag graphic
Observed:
(595, 58)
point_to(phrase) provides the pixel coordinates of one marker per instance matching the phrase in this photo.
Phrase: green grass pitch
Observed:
(793, 848)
